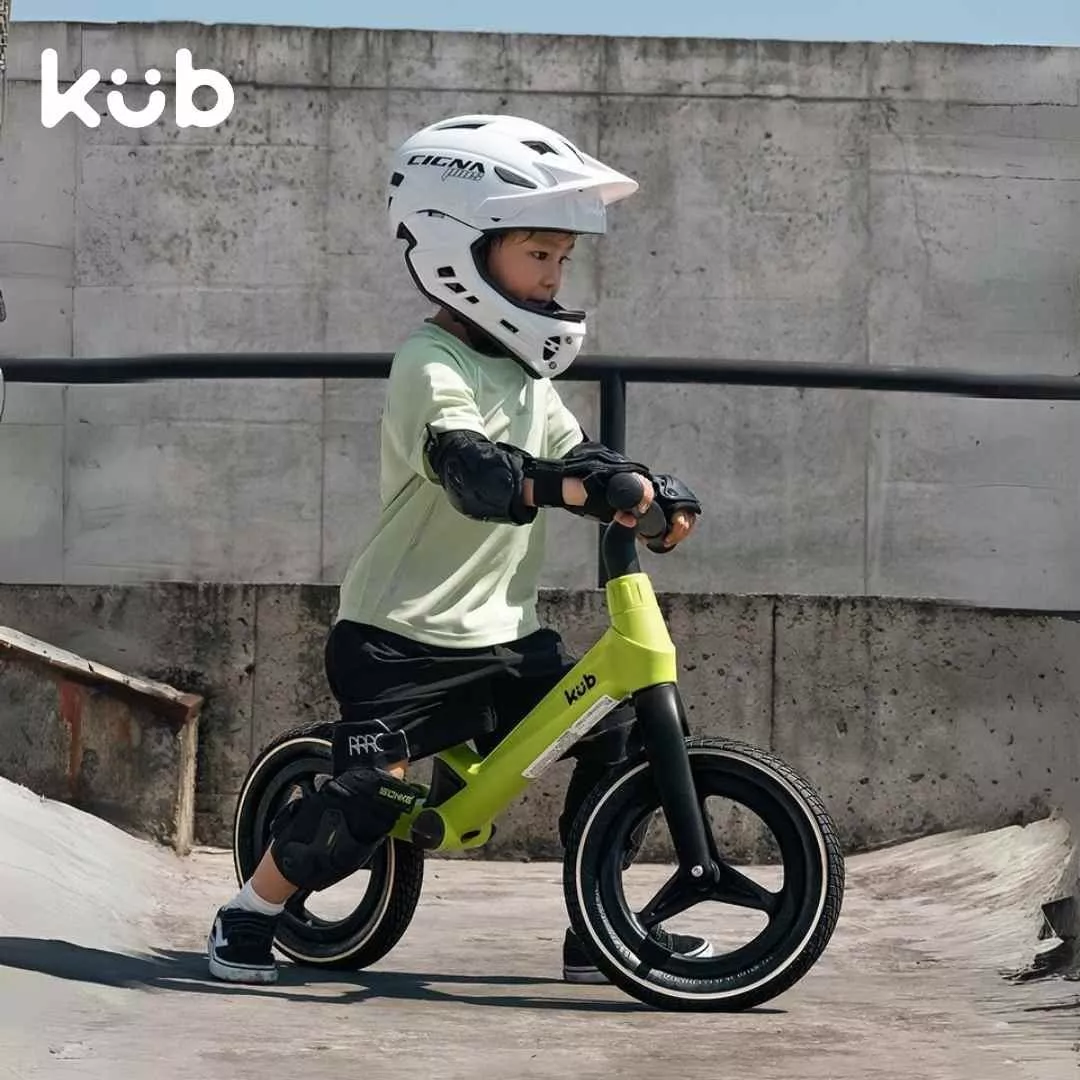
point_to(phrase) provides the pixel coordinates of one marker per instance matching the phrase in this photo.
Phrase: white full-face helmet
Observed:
(457, 181)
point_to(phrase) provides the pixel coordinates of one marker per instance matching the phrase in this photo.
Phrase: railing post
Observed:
(613, 436)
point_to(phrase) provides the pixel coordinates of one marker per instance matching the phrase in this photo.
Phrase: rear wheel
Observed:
(799, 916)
(357, 921)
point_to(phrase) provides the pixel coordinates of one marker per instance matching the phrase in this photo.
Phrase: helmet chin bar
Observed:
(549, 309)
(543, 338)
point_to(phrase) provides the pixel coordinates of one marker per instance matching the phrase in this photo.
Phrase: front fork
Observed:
(663, 728)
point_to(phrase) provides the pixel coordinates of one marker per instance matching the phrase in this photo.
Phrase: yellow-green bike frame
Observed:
(636, 652)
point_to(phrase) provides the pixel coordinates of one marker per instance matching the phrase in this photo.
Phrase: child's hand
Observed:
(681, 508)
(682, 524)
(574, 494)
(626, 517)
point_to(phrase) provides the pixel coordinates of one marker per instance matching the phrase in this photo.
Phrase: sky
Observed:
(1021, 22)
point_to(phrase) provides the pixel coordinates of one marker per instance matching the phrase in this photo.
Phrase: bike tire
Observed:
(396, 880)
(596, 847)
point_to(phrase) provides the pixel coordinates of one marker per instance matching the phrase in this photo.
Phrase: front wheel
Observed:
(356, 922)
(799, 916)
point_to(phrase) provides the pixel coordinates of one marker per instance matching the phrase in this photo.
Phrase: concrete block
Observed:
(161, 215)
(261, 116)
(376, 316)
(26, 42)
(952, 479)
(781, 477)
(725, 679)
(167, 501)
(37, 228)
(725, 672)
(468, 62)
(32, 404)
(357, 401)
(113, 744)
(197, 637)
(263, 56)
(359, 241)
(998, 75)
(285, 402)
(947, 290)
(912, 719)
(29, 259)
(40, 316)
(290, 686)
(39, 184)
(351, 498)
(750, 246)
(708, 67)
(552, 64)
(936, 138)
(120, 319)
(572, 542)
(31, 502)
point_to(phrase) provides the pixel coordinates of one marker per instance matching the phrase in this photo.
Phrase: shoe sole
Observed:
(584, 976)
(703, 952)
(591, 976)
(235, 973)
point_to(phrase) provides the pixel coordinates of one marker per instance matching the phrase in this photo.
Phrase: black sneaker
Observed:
(241, 946)
(578, 968)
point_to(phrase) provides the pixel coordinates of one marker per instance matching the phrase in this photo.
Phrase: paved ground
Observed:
(101, 969)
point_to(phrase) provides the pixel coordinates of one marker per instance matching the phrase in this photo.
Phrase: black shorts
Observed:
(442, 697)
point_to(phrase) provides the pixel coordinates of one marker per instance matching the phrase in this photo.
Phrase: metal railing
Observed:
(613, 373)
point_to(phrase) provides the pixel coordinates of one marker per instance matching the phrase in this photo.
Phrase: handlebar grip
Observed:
(653, 522)
(624, 492)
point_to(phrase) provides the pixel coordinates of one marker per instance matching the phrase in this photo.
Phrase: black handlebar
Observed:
(624, 492)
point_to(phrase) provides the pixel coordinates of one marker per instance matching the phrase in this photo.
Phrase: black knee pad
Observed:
(322, 838)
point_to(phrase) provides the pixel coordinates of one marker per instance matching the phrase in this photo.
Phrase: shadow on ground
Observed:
(185, 971)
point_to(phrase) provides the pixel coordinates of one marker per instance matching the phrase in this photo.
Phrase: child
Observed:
(436, 639)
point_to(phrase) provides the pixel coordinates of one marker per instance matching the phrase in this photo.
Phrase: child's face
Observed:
(529, 266)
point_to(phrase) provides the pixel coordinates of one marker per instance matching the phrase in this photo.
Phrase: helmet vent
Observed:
(551, 347)
(446, 271)
(509, 326)
(456, 287)
(513, 178)
(396, 179)
(539, 147)
(469, 125)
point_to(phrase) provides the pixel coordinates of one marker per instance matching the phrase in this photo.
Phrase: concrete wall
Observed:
(908, 717)
(870, 204)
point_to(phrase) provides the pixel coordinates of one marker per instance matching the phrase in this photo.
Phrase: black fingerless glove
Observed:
(591, 463)
(671, 495)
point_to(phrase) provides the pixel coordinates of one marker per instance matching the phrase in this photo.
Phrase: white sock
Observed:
(249, 900)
